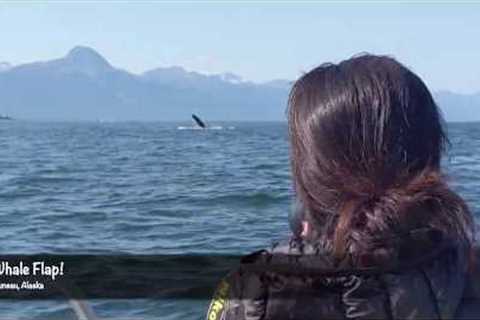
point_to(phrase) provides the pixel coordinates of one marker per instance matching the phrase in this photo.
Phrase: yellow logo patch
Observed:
(217, 306)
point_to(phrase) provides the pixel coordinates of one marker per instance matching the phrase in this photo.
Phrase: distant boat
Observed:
(5, 117)
(198, 121)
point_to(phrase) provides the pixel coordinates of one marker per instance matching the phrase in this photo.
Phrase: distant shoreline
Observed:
(172, 121)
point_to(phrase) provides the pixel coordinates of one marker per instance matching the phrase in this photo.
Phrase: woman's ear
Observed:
(305, 229)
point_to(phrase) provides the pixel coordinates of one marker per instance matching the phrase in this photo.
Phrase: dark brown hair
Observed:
(366, 144)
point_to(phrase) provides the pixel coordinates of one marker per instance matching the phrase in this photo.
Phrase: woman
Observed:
(380, 234)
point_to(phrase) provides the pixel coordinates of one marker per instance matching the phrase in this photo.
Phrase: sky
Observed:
(259, 41)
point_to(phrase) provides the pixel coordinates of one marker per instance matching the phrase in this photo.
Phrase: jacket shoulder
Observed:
(469, 307)
(242, 294)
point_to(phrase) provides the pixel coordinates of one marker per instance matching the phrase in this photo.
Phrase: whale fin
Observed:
(198, 121)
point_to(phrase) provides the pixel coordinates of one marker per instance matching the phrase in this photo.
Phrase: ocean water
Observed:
(157, 188)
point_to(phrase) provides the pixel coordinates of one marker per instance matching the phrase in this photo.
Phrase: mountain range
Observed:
(83, 85)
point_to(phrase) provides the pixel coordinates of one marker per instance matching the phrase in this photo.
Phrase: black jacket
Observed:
(429, 277)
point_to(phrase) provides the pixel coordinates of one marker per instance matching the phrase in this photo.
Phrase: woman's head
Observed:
(366, 143)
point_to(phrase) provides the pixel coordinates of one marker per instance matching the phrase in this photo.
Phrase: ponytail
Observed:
(424, 201)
